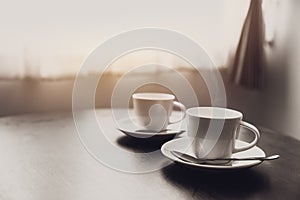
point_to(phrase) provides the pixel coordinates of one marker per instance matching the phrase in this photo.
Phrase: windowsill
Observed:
(183, 70)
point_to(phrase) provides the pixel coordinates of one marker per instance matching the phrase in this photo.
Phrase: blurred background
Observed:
(44, 43)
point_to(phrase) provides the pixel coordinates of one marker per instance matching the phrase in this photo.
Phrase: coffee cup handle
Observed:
(182, 108)
(254, 130)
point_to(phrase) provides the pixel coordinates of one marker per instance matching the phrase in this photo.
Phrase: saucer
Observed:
(182, 144)
(128, 127)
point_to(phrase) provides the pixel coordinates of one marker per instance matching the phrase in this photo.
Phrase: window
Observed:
(51, 39)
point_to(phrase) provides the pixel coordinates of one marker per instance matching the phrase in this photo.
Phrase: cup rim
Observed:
(218, 113)
(153, 96)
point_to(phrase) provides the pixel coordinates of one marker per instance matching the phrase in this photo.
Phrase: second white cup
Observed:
(153, 110)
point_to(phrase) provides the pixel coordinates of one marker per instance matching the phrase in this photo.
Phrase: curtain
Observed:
(248, 63)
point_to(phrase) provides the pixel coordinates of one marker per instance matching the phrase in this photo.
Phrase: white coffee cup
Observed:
(153, 110)
(214, 131)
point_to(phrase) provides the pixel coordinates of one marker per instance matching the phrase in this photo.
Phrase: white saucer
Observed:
(127, 126)
(182, 144)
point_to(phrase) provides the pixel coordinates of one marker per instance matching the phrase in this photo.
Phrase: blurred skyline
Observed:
(52, 38)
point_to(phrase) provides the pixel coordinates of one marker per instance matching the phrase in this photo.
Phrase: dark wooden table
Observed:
(43, 158)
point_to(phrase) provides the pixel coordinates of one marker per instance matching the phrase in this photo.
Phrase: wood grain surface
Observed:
(42, 158)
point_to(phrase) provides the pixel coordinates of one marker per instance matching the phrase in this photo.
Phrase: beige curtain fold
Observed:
(248, 63)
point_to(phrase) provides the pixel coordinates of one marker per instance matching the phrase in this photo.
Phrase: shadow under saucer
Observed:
(143, 145)
(217, 184)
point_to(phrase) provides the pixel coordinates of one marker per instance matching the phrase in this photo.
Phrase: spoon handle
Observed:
(190, 158)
